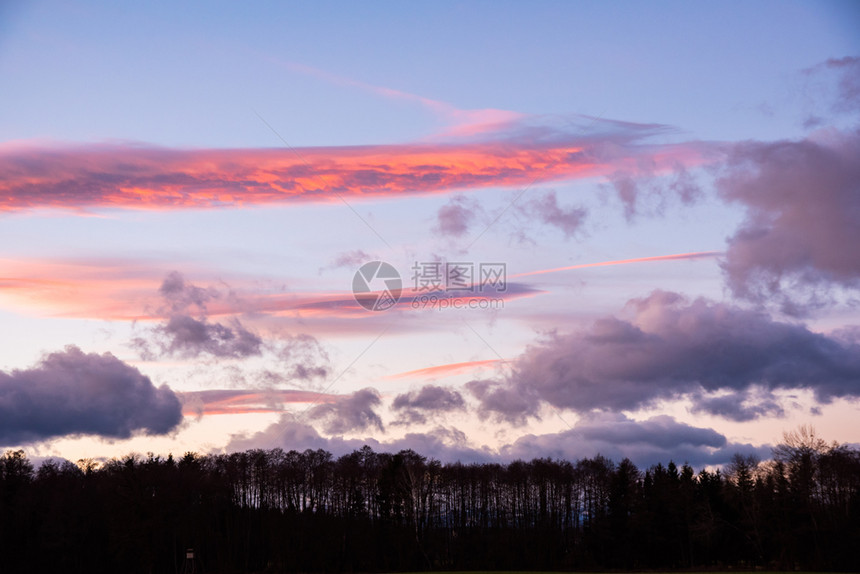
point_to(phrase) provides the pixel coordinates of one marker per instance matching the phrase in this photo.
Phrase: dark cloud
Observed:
(511, 402)
(180, 295)
(673, 348)
(803, 219)
(661, 431)
(739, 406)
(415, 407)
(658, 439)
(189, 337)
(73, 393)
(185, 335)
(349, 413)
(547, 210)
(187, 331)
(455, 217)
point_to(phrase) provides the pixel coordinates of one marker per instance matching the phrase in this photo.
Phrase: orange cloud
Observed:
(231, 402)
(125, 291)
(101, 289)
(145, 177)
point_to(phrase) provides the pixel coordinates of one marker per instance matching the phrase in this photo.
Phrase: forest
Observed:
(277, 511)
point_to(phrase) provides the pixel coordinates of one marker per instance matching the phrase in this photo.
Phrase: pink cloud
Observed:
(245, 401)
(676, 256)
(446, 370)
(81, 177)
(463, 122)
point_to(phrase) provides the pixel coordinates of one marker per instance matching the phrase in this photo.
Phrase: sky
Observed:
(480, 230)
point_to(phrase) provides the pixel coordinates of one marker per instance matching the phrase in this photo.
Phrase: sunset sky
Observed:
(671, 191)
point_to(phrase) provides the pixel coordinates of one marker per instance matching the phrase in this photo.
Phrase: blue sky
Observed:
(262, 153)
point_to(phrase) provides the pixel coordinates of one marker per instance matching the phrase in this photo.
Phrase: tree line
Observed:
(277, 511)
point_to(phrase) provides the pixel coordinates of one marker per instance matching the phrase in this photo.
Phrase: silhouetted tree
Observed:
(277, 511)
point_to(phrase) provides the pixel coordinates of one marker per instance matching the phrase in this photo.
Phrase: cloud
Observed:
(302, 357)
(454, 218)
(189, 337)
(447, 444)
(415, 407)
(547, 210)
(298, 357)
(128, 290)
(181, 295)
(186, 336)
(289, 434)
(685, 186)
(844, 97)
(512, 154)
(105, 288)
(803, 219)
(350, 413)
(739, 406)
(672, 349)
(417, 299)
(627, 189)
(645, 189)
(848, 99)
(615, 436)
(242, 401)
(73, 393)
(446, 369)
(465, 122)
(351, 259)
(656, 258)
(646, 442)
(505, 401)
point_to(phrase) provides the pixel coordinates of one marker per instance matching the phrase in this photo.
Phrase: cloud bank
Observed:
(647, 442)
(73, 393)
(657, 439)
(147, 177)
(670, 349)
